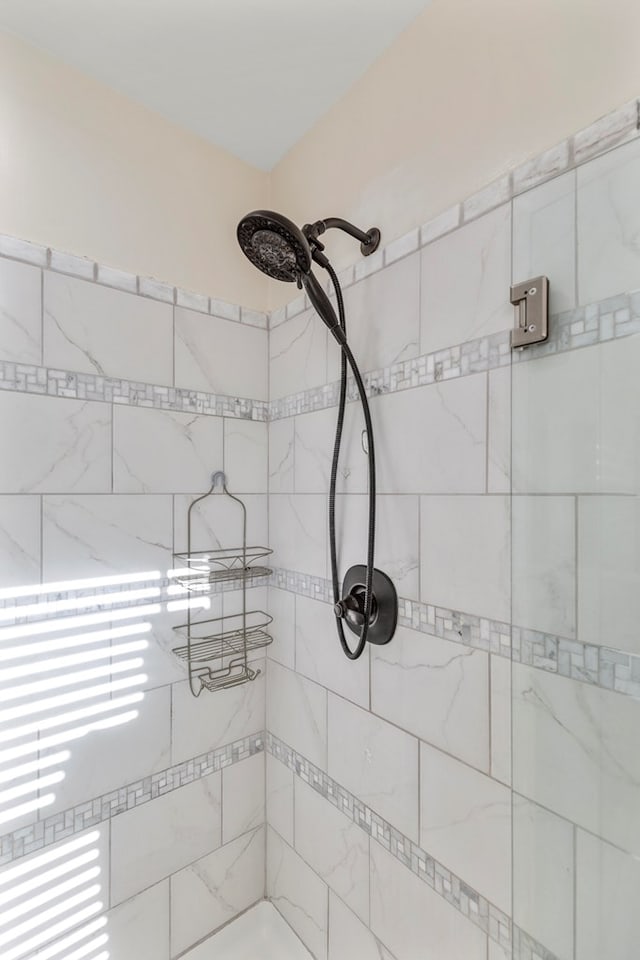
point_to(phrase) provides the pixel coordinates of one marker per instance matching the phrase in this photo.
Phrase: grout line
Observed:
(42, 317)
(575, 892)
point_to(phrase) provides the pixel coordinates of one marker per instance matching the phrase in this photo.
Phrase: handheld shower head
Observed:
(274, 245)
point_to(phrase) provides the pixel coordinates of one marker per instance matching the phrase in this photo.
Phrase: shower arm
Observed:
(369, 240)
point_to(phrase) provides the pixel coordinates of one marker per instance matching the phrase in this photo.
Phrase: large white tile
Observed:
(349, 938)
(161, 837)
(376, 761)
(207, 722)
(161, 665)
(90, 879)
(159, 451)
(282, 607)
(319, 654)
(104, 760)
(432, 439)
(499, 431)
(217, 522)
(298, 355)
(500, 668)
(280, 798)
(281, 455)
(298, 532)
(383, 318)
(437, 690)
(465, 283)
(246, 455)
(465, 554)
(298, 893)
(575, 752)
(216, 889)
(544, 238)
(543, 880)
(609, 571)
(20, 312)
(397, 537)
(608, 224)
(243, 797)
(297, 713)
(413, 920)
(465, 823)
(335, 847)
(260, 932)
(91, 536)
(19, 540)
(95, 329)
(140, 926)
(544, 564)
(54, 445)
(219, 356)
(578, 417)
(607, 893)
(314, 442)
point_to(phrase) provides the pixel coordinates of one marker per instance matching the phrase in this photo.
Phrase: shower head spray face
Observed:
(274, 245)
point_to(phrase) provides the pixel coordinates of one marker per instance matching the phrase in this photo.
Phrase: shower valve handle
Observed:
(349, 608)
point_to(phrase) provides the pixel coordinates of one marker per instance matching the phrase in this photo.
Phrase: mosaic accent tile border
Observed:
(613, 130)
(59, 826)
(46, 381)
(605, 667)
(492, 636)
(610, 319)
(85, 269)
(436, 875)
(65, 600)
(474, 356)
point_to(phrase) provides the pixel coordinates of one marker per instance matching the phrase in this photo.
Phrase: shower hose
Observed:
(340, 608)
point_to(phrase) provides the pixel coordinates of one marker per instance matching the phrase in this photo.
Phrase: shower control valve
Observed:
(349, 609)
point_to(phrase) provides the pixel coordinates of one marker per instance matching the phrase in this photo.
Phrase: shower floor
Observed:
(259, 934)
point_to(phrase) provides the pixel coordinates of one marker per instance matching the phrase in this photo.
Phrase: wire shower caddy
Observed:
(217, 650)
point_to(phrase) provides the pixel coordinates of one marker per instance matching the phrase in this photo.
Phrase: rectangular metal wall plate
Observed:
(531, 300)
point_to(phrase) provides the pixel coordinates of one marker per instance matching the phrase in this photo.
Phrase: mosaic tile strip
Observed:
(46, 381)
(59, 826)
(610, 319)
(613, 130)
(16, 609)
(474, 356)
(85, 269)
(604, 667)
(492, 636)
(436, 875)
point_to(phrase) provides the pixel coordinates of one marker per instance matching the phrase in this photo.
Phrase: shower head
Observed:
(274, 245)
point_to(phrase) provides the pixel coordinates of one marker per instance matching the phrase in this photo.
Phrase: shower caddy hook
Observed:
(217, 650)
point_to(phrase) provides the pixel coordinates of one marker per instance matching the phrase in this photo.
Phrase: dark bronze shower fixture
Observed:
(368, 603)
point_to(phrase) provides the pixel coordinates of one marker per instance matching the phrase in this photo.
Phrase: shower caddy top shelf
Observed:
(217, 650)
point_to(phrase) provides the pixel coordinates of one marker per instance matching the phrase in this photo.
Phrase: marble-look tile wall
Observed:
(167, 790)
(422, 732)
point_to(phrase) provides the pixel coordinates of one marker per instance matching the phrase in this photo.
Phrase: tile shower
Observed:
(467, 791)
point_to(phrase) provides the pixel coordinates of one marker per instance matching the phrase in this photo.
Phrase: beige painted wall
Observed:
(88, 171)
(471, 89)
